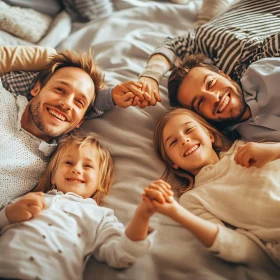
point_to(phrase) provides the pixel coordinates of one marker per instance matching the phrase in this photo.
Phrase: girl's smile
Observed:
(188, 144)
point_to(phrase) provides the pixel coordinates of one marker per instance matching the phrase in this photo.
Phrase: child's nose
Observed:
(185, 139)
(76, 170)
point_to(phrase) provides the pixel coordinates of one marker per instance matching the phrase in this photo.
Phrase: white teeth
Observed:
(54, 113)
(191, 150)
(225, 103)
(74, 180)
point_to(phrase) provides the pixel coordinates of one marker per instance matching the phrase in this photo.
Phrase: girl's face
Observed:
(188, 144)
(78, 171)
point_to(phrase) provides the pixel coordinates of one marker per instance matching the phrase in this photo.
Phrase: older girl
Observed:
(50, 235)
(239, 187)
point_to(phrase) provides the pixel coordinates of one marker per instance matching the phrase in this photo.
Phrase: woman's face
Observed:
(188, 144)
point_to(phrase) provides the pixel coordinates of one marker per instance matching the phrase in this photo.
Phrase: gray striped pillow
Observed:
(86, 10)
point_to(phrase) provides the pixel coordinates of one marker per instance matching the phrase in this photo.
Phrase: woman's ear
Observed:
(36, 89)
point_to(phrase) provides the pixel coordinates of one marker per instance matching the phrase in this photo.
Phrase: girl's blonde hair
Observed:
(221, 143)
(106, 167)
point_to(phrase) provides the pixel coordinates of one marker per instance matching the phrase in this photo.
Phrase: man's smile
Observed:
(57, 114)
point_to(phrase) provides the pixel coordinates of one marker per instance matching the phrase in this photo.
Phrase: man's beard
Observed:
(223, 123)
(35, 113)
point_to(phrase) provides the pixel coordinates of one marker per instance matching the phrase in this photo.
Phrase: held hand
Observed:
(159, 190)
(26, 208)
(150, 86)
(255, 154)
(127, 94)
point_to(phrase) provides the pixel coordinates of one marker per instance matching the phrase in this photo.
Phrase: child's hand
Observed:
(128, 94)
(26, 208)
(160, 196)
(160, 191)
(256, 154)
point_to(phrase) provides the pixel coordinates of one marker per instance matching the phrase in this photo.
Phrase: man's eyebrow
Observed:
(70, 86)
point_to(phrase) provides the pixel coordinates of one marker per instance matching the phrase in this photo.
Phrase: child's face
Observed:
(78, 171)
(188, 144)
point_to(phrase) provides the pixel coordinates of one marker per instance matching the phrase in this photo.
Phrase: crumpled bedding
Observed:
(122, 44)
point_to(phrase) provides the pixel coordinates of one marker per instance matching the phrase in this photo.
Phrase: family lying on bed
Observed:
(205, 204)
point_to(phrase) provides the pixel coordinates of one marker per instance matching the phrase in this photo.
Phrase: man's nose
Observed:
(66, 102)
(212, 96)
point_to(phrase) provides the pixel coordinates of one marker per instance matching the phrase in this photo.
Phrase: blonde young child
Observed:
(51, 235)
(239, 187)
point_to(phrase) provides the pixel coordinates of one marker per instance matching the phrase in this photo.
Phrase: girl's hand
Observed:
(161, 198)
(160, 191)
(256, 154)
(26, 208)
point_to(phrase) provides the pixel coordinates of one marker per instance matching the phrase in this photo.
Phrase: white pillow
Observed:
(26, 24)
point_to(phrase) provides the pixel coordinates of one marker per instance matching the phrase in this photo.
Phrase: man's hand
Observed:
(150, 86)
(256, 154)
(128, 94)
(26, 208)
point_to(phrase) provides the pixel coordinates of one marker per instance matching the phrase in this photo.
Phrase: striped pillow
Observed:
(86, 10)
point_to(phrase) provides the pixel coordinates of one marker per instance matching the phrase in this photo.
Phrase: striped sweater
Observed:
(248, 31)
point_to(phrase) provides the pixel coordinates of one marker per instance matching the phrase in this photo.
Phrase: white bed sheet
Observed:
(122, 44)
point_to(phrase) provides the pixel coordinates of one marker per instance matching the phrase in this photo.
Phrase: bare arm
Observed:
(138, 228)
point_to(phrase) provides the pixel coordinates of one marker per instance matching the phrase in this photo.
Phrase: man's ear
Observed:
(80, 123)
(212, 138)
(36, 89)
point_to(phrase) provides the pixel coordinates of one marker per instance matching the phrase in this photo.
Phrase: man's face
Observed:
(61, 104)
(212, 95)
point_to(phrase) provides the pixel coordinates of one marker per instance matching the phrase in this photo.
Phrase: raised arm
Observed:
(27, 58)
(163, 59)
